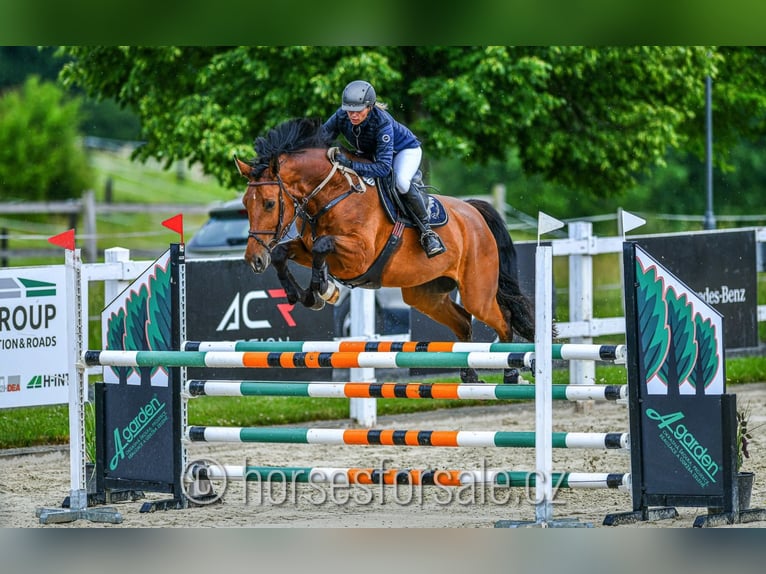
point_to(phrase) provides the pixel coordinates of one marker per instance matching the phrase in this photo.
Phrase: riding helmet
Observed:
(358, 95)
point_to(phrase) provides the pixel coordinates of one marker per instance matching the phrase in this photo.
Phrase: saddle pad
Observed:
(437, 215)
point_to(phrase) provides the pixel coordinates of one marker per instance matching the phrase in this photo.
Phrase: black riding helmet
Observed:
(358, 95)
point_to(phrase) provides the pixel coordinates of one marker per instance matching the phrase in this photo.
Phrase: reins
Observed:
(301, 205)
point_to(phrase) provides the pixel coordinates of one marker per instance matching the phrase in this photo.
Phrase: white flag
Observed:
(546, 223)
(631, 222)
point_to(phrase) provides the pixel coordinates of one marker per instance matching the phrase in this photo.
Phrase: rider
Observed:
(377, 136)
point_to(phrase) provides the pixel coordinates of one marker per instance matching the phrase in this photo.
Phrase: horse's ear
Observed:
(243, 168)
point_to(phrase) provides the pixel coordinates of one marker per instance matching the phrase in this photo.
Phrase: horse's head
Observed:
(290, 169)
(269, 214)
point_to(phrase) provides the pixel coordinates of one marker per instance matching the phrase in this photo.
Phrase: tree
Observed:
(19, 62)
(591, 119)
(40, 153)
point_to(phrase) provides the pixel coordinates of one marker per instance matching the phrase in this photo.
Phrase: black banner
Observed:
(226, 301)
(139, 437)
(720, 267)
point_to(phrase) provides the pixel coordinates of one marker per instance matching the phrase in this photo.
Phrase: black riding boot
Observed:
(431, 242)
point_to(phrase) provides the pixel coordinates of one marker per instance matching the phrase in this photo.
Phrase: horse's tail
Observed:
(509, 295)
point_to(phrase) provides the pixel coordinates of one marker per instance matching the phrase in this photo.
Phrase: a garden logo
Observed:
(129, 440)
(685, 446)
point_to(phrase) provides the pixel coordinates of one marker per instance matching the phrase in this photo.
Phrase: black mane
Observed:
(291, 136)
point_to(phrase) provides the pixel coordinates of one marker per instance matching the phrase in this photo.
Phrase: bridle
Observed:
(300, 205)
(282, 229)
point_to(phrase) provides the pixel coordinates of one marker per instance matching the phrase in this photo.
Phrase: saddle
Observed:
(401, 218)
(395, 210)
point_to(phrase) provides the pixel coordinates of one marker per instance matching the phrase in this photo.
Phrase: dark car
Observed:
(224, 234)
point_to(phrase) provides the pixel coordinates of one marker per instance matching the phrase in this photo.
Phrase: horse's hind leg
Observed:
(432, 301)
(486, 307)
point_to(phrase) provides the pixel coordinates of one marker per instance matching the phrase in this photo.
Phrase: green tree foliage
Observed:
(589, 119)
(18, 62)
(40, 153)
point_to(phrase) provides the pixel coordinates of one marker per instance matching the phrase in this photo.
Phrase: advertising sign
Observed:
(139, 320)
(720, 268)
(33, 337)
(226, 301)
(682, 453)
(136, 403)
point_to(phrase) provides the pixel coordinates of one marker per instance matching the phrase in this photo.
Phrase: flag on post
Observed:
(546, 224)
(65, 240)
(631, 221)
(176, 223)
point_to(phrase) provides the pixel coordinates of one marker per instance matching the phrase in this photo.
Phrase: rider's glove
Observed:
(342, 160)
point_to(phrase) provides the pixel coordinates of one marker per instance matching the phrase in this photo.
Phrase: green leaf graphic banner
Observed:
(139, 320)
(680, 336)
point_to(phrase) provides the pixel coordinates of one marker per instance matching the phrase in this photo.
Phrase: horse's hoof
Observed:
(511, 377)
(469, 377)
(318, 305)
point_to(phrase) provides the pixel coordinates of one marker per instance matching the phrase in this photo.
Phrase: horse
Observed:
(343, 230)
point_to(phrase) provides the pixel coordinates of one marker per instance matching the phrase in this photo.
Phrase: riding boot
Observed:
(431, 242)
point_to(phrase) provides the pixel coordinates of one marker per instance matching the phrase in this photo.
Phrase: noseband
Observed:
(281, 229)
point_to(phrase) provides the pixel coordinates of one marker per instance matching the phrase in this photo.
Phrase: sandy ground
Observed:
(39, 478)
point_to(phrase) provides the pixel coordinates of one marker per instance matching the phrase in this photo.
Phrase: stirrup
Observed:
(434, 250)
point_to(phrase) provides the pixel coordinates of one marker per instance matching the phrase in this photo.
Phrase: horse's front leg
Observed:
(279, 258)
(321, 286)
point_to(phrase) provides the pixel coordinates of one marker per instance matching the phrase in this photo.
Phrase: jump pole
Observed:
(543, 369)
(393, 390)
(561, 351)
(402, 437)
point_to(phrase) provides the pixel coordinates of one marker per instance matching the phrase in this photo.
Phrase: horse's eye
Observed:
(269, 204)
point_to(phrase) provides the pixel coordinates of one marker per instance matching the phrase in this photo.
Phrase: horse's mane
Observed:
(291, 136)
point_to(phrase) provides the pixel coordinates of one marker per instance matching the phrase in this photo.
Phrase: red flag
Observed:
(176, 223)
(65, 240)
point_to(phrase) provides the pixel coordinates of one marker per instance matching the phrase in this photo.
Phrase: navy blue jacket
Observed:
(378, 138)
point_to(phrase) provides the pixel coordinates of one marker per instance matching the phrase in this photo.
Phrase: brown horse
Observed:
(343, 228)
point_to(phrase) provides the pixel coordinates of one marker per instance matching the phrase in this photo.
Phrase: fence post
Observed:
(89, 222)
(4, 247)
(113, 287)
(364, 411)
(581, 299)
(498, 198)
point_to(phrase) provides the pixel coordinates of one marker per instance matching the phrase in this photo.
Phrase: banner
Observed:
(33, 337)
